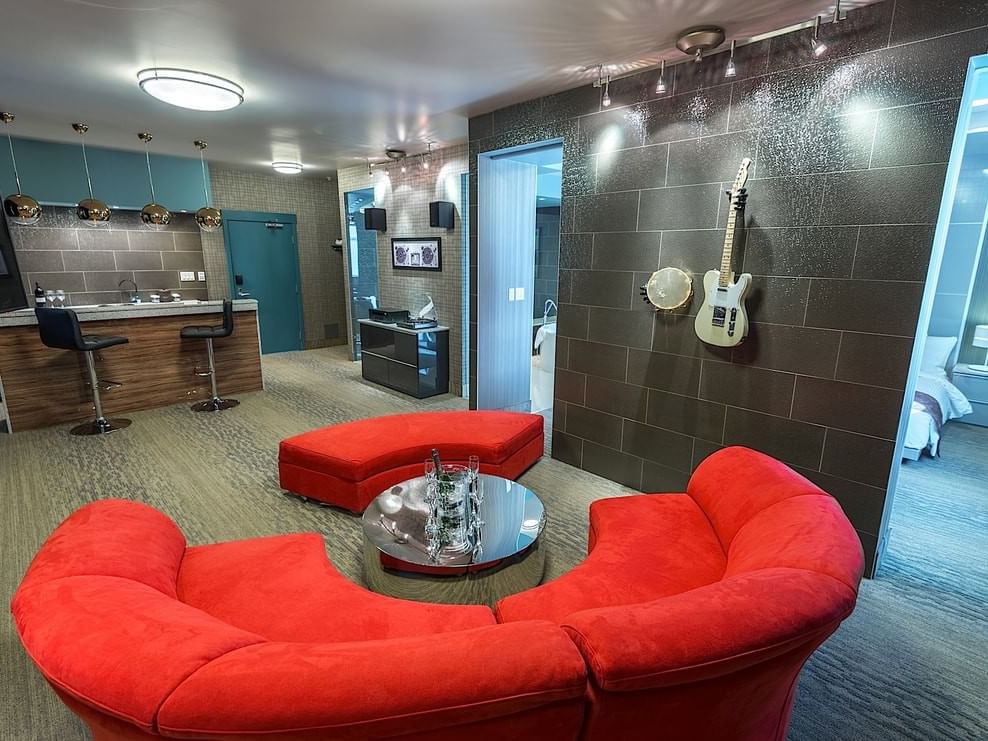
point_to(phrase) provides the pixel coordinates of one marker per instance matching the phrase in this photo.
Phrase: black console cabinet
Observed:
(413, 361)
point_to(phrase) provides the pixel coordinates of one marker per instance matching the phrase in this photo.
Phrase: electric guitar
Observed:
(722, 320)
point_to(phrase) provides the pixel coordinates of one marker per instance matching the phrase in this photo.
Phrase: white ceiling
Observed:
(330, 82)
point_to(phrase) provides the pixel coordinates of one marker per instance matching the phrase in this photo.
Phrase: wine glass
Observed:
(60, 298)
(50, 298)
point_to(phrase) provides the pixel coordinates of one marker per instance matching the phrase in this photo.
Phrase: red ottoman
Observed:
(349, 464)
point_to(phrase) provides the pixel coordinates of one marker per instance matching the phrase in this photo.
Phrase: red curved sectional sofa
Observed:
(690, 619)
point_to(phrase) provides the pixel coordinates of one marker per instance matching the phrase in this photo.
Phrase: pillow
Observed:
(936, 351)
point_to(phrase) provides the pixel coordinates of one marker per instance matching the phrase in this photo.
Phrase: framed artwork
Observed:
(416, 254)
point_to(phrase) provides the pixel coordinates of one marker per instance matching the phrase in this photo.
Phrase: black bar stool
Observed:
(215, 404)
(59, 328)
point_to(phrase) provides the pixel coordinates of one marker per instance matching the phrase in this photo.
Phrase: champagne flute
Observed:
(473, 463)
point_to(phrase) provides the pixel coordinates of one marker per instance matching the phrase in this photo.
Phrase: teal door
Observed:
(264, 266)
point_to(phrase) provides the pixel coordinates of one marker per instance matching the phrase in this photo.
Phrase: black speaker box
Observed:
(376, 219)
(441, 214)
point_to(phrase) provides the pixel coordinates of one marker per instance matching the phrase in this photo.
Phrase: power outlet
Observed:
(202, 275)
(187, 275)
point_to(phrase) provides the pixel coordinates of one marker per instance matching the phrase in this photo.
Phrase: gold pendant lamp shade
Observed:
(154, 215)
(208, 218)
(19, 208)
(90, 210)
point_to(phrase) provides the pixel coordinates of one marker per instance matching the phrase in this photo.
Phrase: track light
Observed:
(837, 15)
(427, 157)
(731, 70)
(660, 86)
(816, 44)
(603, 81)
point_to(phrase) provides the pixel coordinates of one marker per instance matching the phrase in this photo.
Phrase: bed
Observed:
(936, 402)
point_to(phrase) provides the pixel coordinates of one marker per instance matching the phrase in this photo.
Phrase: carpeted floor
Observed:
(909, 664)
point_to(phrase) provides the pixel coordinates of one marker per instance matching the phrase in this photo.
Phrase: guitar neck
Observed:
(728, 254)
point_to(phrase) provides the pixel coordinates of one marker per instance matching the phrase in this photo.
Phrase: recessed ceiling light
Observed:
(185, 88)
(287, 168)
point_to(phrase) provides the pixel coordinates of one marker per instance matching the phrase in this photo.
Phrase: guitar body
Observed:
(722, 319)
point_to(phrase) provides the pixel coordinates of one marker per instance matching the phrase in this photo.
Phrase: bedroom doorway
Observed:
(933, 533)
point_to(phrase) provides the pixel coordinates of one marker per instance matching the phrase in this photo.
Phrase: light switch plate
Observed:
(511, 294)
(202, 275)
(187, 275)
(520, 293)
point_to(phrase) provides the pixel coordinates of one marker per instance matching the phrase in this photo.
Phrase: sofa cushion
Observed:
(116, 644)
(642, 547)
(286, 589)
(113, 537)
(379, 689)
(354, 451)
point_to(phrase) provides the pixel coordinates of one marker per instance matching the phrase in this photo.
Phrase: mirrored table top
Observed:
(513, 519)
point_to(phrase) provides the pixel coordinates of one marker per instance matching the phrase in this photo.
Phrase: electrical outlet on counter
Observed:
(202, 275)
(187, 275)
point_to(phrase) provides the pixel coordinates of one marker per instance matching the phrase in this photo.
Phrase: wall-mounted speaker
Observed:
(376, 219)
(441, 214)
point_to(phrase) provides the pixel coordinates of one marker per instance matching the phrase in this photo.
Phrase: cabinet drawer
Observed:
(975, 388)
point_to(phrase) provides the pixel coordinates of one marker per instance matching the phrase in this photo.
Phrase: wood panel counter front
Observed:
(42, 386)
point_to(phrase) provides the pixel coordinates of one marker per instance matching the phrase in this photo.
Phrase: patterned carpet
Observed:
(910, 664)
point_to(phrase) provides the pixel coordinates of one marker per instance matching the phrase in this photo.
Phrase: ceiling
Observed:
(330, 83)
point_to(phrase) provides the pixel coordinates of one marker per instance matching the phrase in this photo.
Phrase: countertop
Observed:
(106, 312)
(405, 330)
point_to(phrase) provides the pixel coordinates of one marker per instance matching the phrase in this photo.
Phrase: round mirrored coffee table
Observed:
(396, 551)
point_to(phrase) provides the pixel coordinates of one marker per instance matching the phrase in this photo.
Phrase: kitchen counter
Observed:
(41, 386)
(106, 312)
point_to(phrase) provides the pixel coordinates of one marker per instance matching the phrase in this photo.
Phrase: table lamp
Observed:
(980, 340)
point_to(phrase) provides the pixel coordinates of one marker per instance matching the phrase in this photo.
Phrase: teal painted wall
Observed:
(53, 173)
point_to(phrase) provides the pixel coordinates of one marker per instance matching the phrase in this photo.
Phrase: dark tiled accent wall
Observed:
(849, 158)
(88, 263)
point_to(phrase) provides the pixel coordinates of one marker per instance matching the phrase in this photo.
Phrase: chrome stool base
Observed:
(101, 426)
(214, 405)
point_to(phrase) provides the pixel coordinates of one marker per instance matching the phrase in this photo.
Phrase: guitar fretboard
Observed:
(727, 255)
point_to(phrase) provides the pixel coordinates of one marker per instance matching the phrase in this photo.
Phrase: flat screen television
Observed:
(12, 295)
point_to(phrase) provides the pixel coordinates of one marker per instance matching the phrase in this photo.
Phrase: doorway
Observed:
(932, 529)
(362, 262)
(520, 192)
(262, 255)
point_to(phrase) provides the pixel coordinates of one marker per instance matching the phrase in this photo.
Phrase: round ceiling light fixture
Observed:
(197, 91)
(287, 168)
(698, 40)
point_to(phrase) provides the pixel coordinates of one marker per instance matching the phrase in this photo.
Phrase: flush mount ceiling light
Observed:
(90, 210)
(154, 215)
(186, 88)
(696, 41)
(20, 209)
(287, 168)
(208, 218)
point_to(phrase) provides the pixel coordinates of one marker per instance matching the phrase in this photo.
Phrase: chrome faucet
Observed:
(135, 297)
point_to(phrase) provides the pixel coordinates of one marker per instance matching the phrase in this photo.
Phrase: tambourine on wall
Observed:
(668, 289)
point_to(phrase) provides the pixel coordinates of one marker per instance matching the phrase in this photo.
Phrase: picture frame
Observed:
(412, 253)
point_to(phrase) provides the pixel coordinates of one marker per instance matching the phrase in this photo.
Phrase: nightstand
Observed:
(975, 387)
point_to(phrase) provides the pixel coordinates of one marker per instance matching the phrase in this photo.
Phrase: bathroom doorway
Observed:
(362, 260)
(518, 285)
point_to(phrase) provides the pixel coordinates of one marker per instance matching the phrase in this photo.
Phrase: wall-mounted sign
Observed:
(416, 254)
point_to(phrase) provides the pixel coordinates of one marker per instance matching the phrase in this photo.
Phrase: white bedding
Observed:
(921, 432)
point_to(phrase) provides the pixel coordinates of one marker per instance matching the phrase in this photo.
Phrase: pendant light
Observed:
(20, 209)
(154, 215)
(208, 218)
(90, 210)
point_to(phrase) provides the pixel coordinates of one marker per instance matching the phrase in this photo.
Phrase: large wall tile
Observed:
(886, 196)
(684, 207)
(570, 386)
(891, 252)
(614, 397)
(602, 288)
(626, 251)
(848, 406)
(858, 457)
(612, 464)
(863, 504)
(619, 327)
(609, 212)
(657, 478)
(818, 145)
(875, 359)
(572, 319)
(912, 20)
(694, 250)
(614, 129)
(591, 424)
(795, 442)
(778, 300)
(815, 252)
(916, 134)
(658, 445)
(607, 361)
(632, 169)
(751, 388)
(793, 349)
(711, 159)
(576, 251)
(788, 201)
(689, 116)
(686, 415)
(663, 371)
(880, 307)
